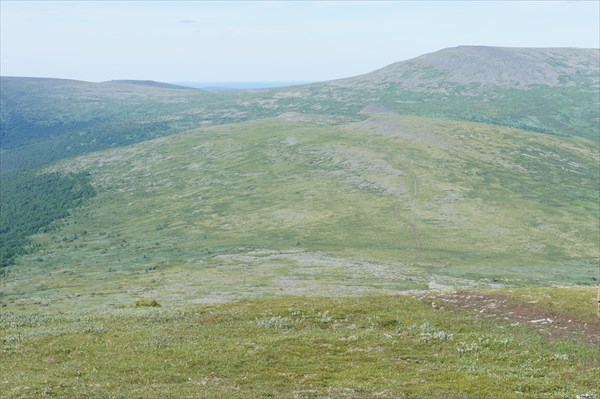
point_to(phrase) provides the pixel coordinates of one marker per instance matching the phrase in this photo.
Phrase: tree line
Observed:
(30, 202)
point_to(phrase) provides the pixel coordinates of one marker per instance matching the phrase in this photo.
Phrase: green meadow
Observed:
(297, 347)
(310, 256)
(303, 205)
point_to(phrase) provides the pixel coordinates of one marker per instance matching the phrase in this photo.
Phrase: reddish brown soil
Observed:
(512, 311)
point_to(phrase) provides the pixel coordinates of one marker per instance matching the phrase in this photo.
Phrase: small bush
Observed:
(429, 333)
(276, 322)
(147, 303)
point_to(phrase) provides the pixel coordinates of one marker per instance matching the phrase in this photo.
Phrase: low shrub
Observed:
(147, 303)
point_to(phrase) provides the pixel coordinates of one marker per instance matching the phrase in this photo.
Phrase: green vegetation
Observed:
(313, 205)
(366, 347)
(147, 303)
(45, 120)
(264, 258)
(30, 202)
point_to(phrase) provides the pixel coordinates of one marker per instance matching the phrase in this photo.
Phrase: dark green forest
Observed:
(30, 202)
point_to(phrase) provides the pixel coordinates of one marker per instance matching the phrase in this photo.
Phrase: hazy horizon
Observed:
(240, 85)
(267, 41)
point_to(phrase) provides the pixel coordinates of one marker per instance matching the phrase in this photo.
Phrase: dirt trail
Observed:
(413, 195)
(413, 229)
(405, 220)
(551, 325)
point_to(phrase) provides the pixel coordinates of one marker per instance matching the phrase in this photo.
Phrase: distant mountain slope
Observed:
(44, 120)
(553, 91)
(308, 204)
(150, 83)
(491, 66)
(548, 90)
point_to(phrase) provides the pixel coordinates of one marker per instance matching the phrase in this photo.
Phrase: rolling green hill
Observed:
(552, 91)
(409, 202)
(548, 90)
(184, 255)
(44, 120)
(319, 205)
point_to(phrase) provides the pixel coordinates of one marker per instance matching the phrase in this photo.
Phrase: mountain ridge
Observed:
(547, 90)
(590, 55)
(151, 83)
(499, 66)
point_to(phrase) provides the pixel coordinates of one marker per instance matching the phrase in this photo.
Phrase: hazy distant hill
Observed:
(482, 66)
(549, 90)
(48, 119)
(150, 83)
(552, 91)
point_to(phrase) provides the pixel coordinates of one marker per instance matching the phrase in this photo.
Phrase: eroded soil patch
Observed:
(514, 312)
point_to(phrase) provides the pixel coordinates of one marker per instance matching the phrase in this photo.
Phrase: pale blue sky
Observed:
(268, 41)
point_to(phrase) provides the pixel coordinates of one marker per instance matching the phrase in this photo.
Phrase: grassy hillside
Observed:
(552, 91)
(264, 258)
(320, 206)
(298, 347)
(44, 120)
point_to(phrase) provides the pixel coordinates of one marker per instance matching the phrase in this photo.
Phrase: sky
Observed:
(268, 40)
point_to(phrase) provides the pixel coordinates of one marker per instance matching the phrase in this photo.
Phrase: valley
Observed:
(317, 205)
(552, 91)
(437, 219)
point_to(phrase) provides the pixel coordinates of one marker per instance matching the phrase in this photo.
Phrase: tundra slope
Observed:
(548, 90)
(552, 90)
(369, 203)
(309, 205)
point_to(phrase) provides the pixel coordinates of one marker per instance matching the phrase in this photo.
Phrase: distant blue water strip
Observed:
(238, 85)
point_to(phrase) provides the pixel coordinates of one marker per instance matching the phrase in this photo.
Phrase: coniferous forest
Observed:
(31, 202)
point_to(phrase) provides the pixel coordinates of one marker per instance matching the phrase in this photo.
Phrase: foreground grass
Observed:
(291, 347)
